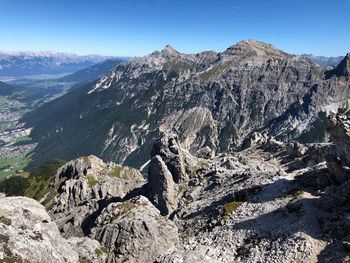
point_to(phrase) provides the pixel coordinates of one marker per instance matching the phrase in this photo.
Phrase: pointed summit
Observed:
(169, 50)
(169, 47)
(343, 68)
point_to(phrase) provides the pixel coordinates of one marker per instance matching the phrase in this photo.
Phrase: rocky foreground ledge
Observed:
(28, 234)
(269, 202)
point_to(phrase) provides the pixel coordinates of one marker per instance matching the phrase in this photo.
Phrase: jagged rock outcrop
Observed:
(293, 154)
(27, 234)
(86, 185)
(339, 163)
(99, 207)
(170, 166)
(168, 148)
(134, 231)
(161, 186)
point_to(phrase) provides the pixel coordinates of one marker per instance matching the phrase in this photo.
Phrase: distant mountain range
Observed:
(208, 99)
(324, 61)
(34, 64)
(46, 89)
(93, 72)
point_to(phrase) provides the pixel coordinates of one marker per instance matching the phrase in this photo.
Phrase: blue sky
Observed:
(138, 27)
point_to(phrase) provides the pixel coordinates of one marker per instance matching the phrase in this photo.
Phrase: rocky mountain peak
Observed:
(251, 47)
(142, 65)
(343, 68)
(251, 42)
(169, 49)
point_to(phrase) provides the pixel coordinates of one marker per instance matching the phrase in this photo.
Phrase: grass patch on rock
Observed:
(232, 207)
(92, 181)
(98, 252)
(5, 220)
(116, 172)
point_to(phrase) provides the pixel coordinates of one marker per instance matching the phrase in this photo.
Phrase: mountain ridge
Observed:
(210, 99)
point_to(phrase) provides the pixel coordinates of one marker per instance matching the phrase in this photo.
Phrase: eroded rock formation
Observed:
(269, 202)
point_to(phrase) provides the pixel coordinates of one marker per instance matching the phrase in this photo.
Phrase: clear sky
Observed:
(138, 27)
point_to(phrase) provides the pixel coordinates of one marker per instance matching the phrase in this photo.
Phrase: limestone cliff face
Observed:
(208, 99)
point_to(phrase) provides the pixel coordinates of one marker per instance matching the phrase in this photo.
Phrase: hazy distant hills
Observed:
(324, 61)
(28, 64)
(93, 72)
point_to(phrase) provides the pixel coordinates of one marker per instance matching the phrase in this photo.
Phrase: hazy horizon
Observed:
(16, 52)
(137, 28)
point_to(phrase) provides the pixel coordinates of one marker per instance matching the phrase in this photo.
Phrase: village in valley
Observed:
(15, 144)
